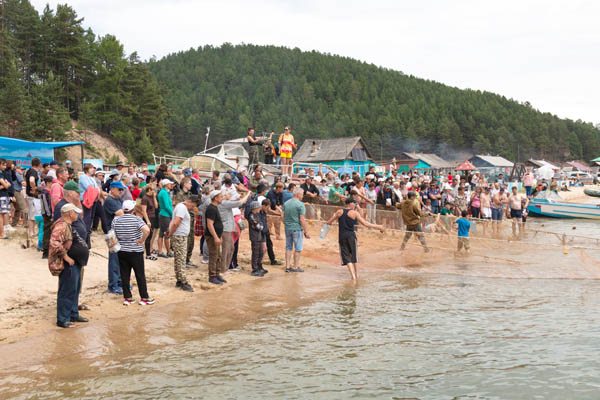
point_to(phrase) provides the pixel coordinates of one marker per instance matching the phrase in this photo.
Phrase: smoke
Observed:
(392, 145)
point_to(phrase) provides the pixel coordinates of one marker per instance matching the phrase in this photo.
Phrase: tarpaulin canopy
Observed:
(22, 151)
(466, 166)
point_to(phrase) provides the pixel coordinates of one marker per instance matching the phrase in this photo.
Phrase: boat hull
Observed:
(563, 210)
(592, 192)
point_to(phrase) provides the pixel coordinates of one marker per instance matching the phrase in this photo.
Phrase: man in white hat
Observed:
(164, 217)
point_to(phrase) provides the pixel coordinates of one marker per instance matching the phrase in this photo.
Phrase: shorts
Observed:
(31, 208)
(4, 205)
(163, 225)
(293, 240)
(348, 250)
(286, 155)
(464, 242)
(516, 213)
(153, 222)
(486, 212)
(497, 214)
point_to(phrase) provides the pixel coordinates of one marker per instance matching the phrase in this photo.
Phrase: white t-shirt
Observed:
(184, 226)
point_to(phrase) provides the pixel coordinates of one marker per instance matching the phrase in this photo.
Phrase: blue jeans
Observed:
(497, 214)
(528, 190)
(114, 272)
(67, 303)
(293, 240)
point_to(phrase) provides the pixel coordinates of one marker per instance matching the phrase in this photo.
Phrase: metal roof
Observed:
(495, 161)
(433, 160)
(332, 150)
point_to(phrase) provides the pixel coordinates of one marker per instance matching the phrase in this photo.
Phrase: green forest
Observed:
(53, 70)
(230, 88)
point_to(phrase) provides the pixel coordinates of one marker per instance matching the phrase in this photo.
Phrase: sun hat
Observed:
(70, 207)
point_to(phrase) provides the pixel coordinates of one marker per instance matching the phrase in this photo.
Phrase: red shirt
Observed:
(135, 193)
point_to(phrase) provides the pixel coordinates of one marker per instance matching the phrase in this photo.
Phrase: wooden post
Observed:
(82, 157)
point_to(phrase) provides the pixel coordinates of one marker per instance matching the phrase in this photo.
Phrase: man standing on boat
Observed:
(528, 179)
(253, 145)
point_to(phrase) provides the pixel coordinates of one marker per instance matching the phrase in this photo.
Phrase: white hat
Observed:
(128, 205)
(214, 194)
(70, 207)
(166, 182)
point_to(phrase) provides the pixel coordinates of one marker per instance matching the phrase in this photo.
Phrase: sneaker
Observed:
(118, 291)
(187, 287)
(275, 262)
(178, 284)
(154, 252)
(297, 270)
(289, 270)
(9, 228)
(128, 302)
(170, 255)
(258, 272)
(190, 264)
(163, 255)
(219, 277)
(147, 302)
(215, 281)
(264, 271)
(236, 268)
(204, 261)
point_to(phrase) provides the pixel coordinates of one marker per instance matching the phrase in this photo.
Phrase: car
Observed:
(579, 174)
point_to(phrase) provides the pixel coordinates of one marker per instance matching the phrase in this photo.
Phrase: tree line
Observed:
(231, 88)
(53, 70)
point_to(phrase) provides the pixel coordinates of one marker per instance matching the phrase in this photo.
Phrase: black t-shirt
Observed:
(312, 188)
(4, 175)
(31, 173)
(212, 212)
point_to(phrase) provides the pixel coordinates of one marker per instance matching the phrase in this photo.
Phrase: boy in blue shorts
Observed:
(463, 233)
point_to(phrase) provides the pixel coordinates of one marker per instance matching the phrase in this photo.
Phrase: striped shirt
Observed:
(128, 229)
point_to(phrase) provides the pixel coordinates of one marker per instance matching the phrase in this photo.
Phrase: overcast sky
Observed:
(544, 52)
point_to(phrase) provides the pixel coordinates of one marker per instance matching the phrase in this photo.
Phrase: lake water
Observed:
(395, 335)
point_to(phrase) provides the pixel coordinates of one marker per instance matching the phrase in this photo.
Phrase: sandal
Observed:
(151, 258)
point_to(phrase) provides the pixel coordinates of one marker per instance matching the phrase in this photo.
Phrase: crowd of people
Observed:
(145, 216)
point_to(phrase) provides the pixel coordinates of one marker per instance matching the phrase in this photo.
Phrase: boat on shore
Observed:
(591, 192)
(550, 204)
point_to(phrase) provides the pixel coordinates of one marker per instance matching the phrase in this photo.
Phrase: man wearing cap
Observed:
(225, 210)
(113, 207)
(164, 216)
(213, 232)
(131, 232)
(66, 244)
(54, 165)
(184, 194)
(336, 193)
(179, 231)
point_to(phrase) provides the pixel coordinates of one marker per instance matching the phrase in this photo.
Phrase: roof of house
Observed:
(495, 161)
(433, 160)
(333, 150)
(541, 163)
(580, 166)
(466, 166)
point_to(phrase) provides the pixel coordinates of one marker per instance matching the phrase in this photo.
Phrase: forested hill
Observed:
(52, 69)
(231, 88)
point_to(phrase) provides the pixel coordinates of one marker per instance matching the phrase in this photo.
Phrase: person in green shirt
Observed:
(447, 209)
(336, 193)
(294, 221)
(164, 216)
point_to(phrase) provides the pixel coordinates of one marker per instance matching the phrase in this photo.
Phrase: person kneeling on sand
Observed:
(131, 232)
(348, 219)
(463, 233)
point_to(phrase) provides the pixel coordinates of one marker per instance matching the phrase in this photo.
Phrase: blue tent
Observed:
(22, 151)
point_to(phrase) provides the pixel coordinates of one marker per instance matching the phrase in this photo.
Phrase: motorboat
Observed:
(550, 204)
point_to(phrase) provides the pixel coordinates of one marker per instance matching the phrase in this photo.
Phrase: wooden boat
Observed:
(591, 192)
(550, 204)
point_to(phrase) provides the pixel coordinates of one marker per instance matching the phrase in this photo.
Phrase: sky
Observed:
(543, 52)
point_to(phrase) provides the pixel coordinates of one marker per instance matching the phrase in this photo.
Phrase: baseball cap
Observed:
(350, 200)
(337, 182)
(70, 207)
(70, 185)
(214, 194)
(68, 162)
(166, 182)
(254, 205)
(187, 172)
(128, 205)
(117, 184)
(100, 172)
(195, 199)
(114, 172)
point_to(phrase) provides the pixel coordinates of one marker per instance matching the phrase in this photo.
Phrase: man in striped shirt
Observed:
(131, 232)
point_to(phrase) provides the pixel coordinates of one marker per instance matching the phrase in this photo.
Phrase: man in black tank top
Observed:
(348, 218)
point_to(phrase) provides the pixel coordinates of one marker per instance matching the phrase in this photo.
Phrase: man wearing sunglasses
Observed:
(113, 207)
